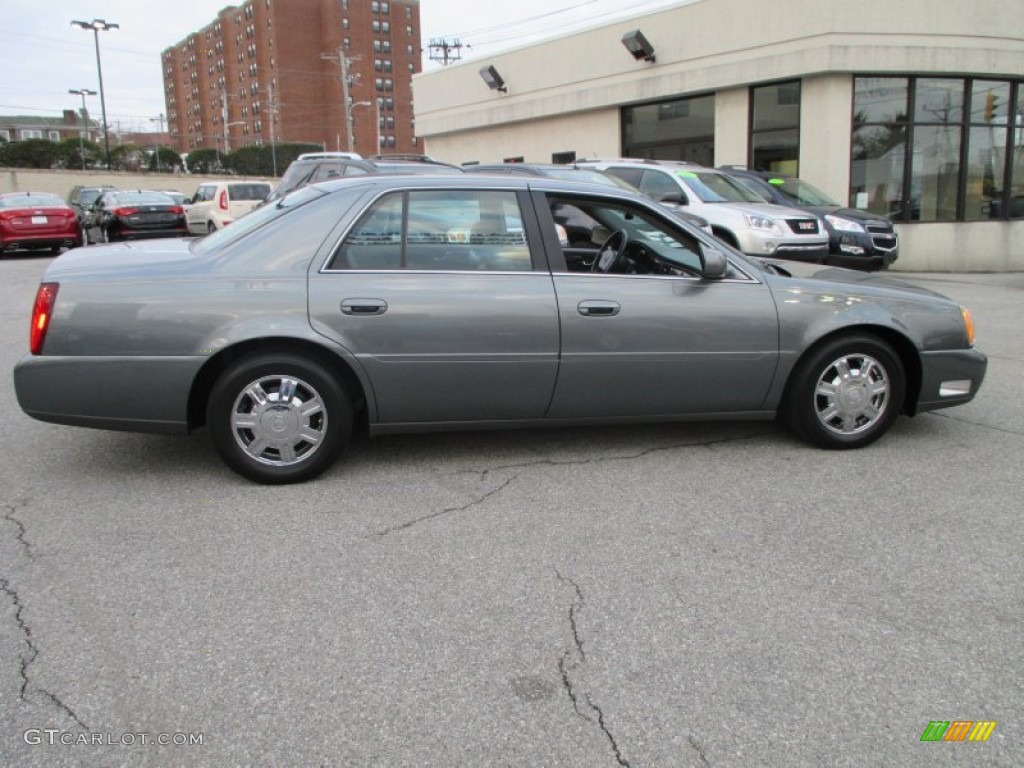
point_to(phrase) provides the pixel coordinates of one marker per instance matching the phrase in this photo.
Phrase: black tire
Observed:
(266, 442)
(845, 394)
(210, 227)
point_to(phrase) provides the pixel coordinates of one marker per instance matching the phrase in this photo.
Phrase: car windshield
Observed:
(144, 198)
(88, 196)
(799, 192)
(29, 201)
(243, 226)
(717, 188)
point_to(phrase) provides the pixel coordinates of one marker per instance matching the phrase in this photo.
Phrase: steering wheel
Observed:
(611, 252)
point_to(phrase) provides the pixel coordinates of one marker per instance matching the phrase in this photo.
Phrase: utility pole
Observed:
(159, 144)
(445, 52)
(273, 119)
(343, 62)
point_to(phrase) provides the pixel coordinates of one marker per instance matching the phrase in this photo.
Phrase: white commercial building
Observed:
(913, 109)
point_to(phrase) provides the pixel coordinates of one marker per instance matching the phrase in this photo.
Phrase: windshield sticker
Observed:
(686, 174)
(776, 181)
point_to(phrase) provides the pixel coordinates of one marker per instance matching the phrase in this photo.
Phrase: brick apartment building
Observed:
(272, 70)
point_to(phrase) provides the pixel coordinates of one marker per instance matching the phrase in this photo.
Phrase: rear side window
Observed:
(248, 191)
(443, 230)
(205, 193)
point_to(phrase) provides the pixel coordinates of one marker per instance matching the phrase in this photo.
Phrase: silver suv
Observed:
(737, 215)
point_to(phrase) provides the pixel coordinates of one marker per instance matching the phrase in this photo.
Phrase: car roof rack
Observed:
(329, 156)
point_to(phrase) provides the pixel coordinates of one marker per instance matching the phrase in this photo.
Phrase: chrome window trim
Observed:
(691, 278)
(496, 272)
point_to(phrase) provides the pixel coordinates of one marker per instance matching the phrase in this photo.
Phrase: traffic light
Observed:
(990, 106)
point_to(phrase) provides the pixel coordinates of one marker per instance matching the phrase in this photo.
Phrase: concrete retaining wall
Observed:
(61, 182)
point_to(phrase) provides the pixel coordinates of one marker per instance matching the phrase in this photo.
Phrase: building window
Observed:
(775, 128)
(681, 129)
(987, 151)
(937, 148)
(28, 133)
(5, 135)
(53, 135)
(344, 23)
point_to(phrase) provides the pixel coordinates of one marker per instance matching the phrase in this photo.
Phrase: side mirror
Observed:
(675, 198)
(716, 263)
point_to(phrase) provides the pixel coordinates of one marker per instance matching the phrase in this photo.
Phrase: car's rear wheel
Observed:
(845, 394)
(279, 418)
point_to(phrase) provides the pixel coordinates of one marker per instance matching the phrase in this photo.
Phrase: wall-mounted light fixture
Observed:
(637, 45)
(493, 79)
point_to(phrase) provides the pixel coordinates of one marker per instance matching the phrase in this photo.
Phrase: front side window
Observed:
(438, 230)
(611, 237)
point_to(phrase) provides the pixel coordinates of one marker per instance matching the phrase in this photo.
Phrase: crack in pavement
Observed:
(10, 510)
(446, 511)
(700, 751)
(709, 444)
(27, 659)
(572, 659)
(975, 423)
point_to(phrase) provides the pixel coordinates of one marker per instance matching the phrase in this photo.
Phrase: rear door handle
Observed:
(597, 308)
(364, 306)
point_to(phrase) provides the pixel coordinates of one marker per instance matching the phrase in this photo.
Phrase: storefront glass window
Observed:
(775, 127)
(681, 129)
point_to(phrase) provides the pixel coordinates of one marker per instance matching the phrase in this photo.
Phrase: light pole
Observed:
(83, 92)
(96, 25)
(352, 118)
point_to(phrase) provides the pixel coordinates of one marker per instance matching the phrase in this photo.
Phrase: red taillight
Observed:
(177, 209)
(222, 201)
(125, 211)
(42, 311)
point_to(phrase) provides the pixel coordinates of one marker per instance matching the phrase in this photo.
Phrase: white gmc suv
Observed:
(737, 215)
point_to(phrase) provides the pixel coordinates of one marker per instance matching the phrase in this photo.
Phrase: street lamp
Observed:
(96, 25)
(83, 92)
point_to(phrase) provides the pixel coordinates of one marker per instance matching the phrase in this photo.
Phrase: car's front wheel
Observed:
(845, 394)
(279, 418)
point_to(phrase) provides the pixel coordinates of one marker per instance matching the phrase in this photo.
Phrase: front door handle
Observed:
(596, 308)
(364, 306)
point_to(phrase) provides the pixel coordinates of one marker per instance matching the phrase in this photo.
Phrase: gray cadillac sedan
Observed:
(418, 303)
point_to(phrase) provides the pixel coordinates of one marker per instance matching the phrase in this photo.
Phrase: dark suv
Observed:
(857, 239)
(81, 198)
(312, 167)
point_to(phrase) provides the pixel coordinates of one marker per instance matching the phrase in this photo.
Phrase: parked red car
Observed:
(34, 221)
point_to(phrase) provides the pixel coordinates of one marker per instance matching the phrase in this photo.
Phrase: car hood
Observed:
(846, 213)
(770, 210)
(127, 259)
(786, 272)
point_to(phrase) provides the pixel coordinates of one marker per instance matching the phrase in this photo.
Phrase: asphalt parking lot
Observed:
(685, 595)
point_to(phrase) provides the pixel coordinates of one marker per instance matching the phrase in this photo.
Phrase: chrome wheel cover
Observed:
(852, 394)
(279, 420)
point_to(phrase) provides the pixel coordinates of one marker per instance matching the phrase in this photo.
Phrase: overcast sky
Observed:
(42, 56)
